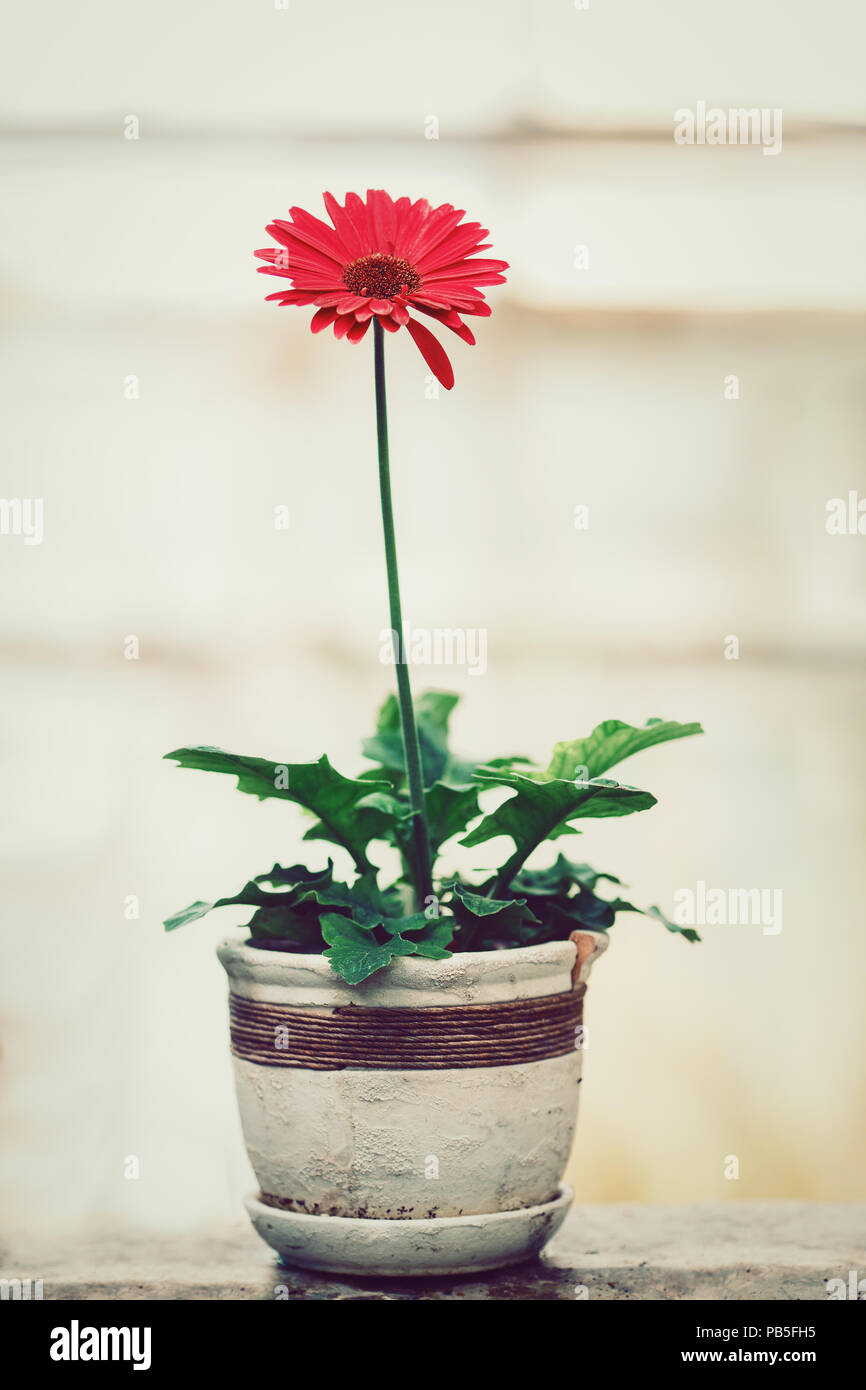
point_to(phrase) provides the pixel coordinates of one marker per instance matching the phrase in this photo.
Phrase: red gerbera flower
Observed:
(380, 258)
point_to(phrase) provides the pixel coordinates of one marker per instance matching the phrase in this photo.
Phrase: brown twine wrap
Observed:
(444, 1036)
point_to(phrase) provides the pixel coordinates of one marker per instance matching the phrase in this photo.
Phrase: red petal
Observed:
(482, 310)
(412, 226)
(438, 301)
(297, 255)
(450, 319)
(437, 226)
(304, 279)
(322, 319)
(345, 227)
(467, 285)
(317, 233)
(342, 324)
(381, 210)
(292, 297)
(402, 213)
(463, 241)
(466, 305)
(466, 269)
(357, 331)
(357, 212)
(287, 234)
(433, 353)
(350, 302)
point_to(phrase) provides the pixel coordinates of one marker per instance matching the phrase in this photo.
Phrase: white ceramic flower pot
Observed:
(435, 1164)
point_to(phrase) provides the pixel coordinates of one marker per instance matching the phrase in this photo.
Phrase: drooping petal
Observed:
(464, 332)
(357, 331)
(433, 353)
(322, 318)
(477, 307)
(450, 319)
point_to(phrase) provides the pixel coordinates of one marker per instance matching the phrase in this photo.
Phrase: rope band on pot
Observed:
(502, 1034)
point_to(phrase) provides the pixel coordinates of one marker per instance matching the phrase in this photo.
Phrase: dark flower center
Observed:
(380, 277)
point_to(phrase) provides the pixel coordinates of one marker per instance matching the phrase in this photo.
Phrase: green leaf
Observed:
(278, 915)
(437, 941)
(249, 896)
(541, 807)
(516, 760)
(688, 933)
(362, 899)
(486, 922)
(294, 914)
(192, 913)
(297, 924)
(450, 808)
(549, 800)
(315, 786)
(359, 948)
(611, 742)
(354, 951)
(583, 909)
(432, 714)
(586, 909)
(508, 911)
(435, 933)
(560, 878)
(279, 877)
(549, 893)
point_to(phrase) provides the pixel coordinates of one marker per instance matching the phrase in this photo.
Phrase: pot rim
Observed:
(466, 977)
(318, 961)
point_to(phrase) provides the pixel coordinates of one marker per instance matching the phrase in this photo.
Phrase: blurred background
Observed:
(679, 352)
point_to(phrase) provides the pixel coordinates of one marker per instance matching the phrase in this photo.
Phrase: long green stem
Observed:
(411, 748)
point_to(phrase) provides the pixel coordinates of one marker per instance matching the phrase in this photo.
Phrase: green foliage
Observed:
(361, 927)
(336, 800)
(610, 743)
(543, 810)
(357, 951)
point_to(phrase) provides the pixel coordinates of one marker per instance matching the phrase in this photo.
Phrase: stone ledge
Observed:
(724, 1251)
